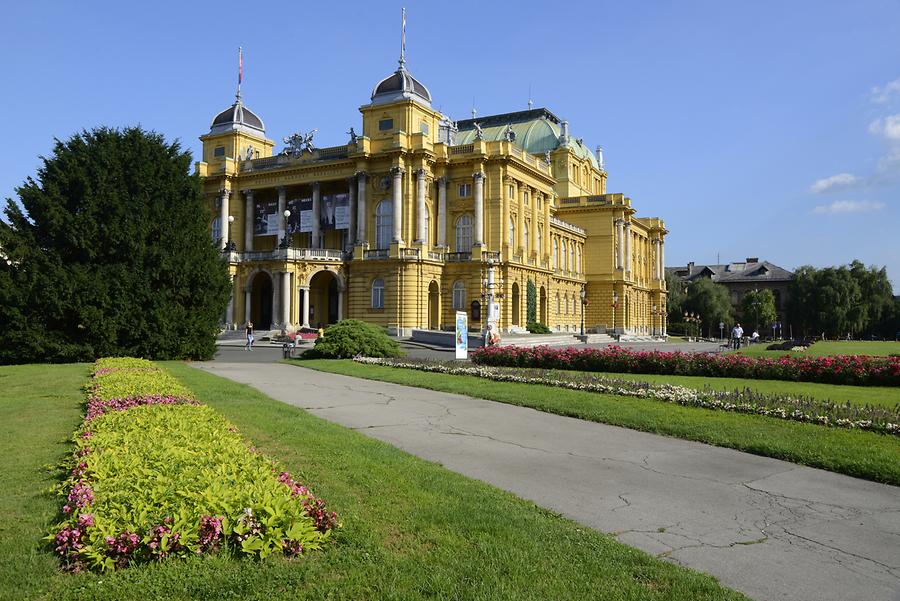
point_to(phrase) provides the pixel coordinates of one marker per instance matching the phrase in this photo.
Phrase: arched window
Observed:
(556, 265)
(384, 214)
(512, 233)
(217, 229)
(378, 294)
(558, 305)
(459, 295)
(526, 239)
(565, 259)
(464, 234)
(566, 303)
(571, 257)
(578, 266)
(540, 240)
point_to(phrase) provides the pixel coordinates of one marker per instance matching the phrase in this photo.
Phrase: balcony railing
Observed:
(378, 253)
(566, 225)
(462, 149)
(459, 257)
(490, 255)
(435, 255)
(409, 253)
(289, 254)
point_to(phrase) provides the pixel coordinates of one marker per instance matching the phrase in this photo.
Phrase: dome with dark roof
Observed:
(237, 117)
(398, 85)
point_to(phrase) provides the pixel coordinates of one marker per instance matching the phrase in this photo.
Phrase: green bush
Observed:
(350, 338)
(538, 328)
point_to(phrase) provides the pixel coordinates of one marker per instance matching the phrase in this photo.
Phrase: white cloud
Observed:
(889, 127)
(848, 206)
(835, 182)
(881, 95)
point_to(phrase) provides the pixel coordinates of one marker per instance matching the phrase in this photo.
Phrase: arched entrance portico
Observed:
(434, 306)
(515, 304)
(261, 301)
(325, 299)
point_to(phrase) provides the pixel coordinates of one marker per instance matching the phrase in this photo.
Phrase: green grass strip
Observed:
(855, 453)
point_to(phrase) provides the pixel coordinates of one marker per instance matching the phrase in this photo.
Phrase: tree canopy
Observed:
(758, 307)
(110, 254)
(710, 301)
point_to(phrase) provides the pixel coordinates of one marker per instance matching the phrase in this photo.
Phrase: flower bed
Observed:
(860, 370)
(803, 409)
(156, 474)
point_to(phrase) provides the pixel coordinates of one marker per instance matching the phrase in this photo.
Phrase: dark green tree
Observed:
(710, 301)
(530, 303)
(877, 297)
(803, 303)
(675, 297)
(758, 307)
(110, 254)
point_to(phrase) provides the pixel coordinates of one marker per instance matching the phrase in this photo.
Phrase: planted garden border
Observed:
(858, 370)
(156, 474)
(802, 409)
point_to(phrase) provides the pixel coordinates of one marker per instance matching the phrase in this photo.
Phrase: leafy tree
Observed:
(708, 300)
(804, 300)
(758, 306)
(877, 297)
(110, 254)
(675, 297)
(530, 302)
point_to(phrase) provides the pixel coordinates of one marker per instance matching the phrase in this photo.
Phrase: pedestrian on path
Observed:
(249, 345)
(737, 333)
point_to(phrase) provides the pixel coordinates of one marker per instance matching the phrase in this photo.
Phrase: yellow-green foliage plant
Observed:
(161, 475)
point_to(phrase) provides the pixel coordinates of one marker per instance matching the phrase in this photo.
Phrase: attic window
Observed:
(385, 124)
(424, 128)
(219, 151)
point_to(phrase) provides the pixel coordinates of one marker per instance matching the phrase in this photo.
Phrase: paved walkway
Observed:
(771, 529)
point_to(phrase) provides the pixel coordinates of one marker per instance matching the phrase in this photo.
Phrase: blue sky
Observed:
(767, 129)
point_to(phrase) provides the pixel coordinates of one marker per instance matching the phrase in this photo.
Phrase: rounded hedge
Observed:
(351, 338)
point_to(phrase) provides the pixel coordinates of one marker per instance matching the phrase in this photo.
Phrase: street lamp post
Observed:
(583, 295)
(653, 321)
(615, 304)
(286, 242)
(230, 246)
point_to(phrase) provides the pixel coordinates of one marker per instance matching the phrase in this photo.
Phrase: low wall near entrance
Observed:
(439, 338)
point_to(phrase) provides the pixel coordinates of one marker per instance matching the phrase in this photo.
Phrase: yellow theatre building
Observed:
(418, 217)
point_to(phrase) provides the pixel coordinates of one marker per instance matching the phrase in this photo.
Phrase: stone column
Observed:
(276, 298)
(249, 208)
(315, 242)
(223, 217)
(351, 209)
(282, 205)
(547, 248)
(340, 312)
(442, 212)
(520, 219)
(659, 270)
(532, 198)
(247, 300)
(285, 299)
(361, 214)
(229, 311)
(479, 208)
(628, 246)
(662, 260)
(397, 203)
(421, 209)
(620, 255)
(304, 317)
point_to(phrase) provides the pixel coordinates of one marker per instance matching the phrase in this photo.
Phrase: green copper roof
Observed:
(537, 131)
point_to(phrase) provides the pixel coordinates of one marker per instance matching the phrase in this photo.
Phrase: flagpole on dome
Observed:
(403, 39)
(240, 71)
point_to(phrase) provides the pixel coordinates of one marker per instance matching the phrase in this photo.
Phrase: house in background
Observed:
(741, 278)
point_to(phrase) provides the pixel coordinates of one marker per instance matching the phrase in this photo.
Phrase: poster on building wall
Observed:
(301, 215)
(462, 335)
(266, 221)
(335, 212)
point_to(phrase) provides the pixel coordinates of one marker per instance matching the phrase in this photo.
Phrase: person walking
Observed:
(249, 345)
(737, 333)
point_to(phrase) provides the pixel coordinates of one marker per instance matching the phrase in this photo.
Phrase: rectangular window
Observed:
(424, 128)
(385, 124)
(465, 190)
(219, 151)
(512, 191)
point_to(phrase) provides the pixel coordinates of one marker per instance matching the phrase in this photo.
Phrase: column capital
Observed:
(352, 179)
(441, 181)
(224, 192)
(420, 173)
(248, 194)
(281, 189)
(304, 288)
(478, 175)
(619, 221)
(397, 171)
(316, 185)
(361, 174)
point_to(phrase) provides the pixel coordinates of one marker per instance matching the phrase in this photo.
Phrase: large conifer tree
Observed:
(110, 254)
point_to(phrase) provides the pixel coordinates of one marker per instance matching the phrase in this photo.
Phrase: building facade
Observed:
(408, 222)
(740, 278)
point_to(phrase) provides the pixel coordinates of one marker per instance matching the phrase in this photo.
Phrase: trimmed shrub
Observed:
(536, 327)
(350, 338)
(155, 474)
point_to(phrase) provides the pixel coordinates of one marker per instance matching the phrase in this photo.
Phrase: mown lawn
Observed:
(856, 453)
(859, 395)
(829, 347)
(411, 529)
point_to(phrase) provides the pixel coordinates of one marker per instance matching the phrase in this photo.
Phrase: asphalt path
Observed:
(769, 528)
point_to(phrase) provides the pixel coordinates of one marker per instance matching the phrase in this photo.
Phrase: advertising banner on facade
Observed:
(266, 221)
(301, 215)
(335, 212)
(462, 335)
